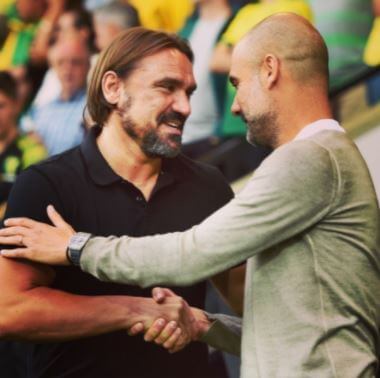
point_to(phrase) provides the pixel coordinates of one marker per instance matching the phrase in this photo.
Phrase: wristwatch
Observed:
(75, 247)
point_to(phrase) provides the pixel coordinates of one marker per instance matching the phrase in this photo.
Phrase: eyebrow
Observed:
(169, 81)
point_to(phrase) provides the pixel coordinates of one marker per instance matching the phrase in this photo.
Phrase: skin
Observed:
(161, 86)
(269, 74)
(30, 310)
(105, 32)
(70, 59)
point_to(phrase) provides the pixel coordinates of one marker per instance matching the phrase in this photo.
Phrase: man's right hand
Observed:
(190, 324)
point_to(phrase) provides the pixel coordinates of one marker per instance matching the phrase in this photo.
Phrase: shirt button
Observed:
(139, 198)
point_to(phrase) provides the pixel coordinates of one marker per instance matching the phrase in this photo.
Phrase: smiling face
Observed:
(252, 100)
(154, 102)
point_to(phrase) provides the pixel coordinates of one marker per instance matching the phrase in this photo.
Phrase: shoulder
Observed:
(305, 162)
(66, 164)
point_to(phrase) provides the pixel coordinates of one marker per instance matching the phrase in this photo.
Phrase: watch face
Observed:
(76, 244)
(79, 240)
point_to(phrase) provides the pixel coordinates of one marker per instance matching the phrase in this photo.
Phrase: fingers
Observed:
(170, 343)
(166, 333)
(11, 240)
(56, 218)
(136, 329)
(14, 230)
(159, 294)
(17, 253)
(155, 329)
(24, 222)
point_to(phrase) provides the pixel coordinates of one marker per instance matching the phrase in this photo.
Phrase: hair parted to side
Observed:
(122, 56)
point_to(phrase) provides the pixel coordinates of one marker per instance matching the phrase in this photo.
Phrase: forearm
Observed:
(261, 216)
(42, 313)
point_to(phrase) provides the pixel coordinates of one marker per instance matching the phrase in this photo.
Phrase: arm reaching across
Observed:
(261, 216)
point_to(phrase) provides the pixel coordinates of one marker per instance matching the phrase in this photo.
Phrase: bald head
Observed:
(294, 41)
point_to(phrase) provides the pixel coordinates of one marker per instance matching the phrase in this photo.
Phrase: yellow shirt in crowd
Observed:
(252, 14)
(167, 15)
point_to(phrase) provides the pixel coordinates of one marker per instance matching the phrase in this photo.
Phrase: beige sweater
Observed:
(308, 224)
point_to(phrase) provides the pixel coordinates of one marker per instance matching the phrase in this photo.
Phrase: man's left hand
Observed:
(40, 241)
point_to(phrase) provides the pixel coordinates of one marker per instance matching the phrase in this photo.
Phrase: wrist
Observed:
(75, 247)
(203, 323)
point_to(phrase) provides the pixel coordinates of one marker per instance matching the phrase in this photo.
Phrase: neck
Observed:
(7, 138)
(66, 94)
(212, 10)
(127, 160)
(312, 108)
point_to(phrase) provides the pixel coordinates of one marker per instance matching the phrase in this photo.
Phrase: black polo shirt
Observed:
(90, 196)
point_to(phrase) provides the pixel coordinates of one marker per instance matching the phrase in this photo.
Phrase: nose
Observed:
(235, 107)
(181, 104)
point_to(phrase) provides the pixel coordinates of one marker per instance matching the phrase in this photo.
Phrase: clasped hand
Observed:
(179, 327)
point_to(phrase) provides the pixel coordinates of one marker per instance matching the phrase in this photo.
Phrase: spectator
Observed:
(17, 151)
(74, 22)
(111, 19)
(167, 15)
(30, 24)
(203, 30)
(59, 122)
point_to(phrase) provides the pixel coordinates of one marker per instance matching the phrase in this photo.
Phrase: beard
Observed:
(262, 129)
(149, 138)
(151, 142)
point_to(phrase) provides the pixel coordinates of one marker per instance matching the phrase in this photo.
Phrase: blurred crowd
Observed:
(47, 49)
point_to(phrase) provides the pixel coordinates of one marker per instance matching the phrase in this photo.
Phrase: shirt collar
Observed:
(102, 174)
(317, 126)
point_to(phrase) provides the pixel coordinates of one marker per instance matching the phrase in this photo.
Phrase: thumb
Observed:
(159, 294)
(56, 218)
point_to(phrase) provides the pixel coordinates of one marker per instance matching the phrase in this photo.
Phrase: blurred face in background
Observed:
(105, 32)
(67, 25)
(8, 114)
(70, 58)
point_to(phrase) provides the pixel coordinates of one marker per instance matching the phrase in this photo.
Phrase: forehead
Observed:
(166, 63)
(239, 61)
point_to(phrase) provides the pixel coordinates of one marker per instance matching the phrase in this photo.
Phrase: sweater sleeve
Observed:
(292, 190)
(224, 333)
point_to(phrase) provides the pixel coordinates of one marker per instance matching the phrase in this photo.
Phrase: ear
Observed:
(270, 70)
(111, 85)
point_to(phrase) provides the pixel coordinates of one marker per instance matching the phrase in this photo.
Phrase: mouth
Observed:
(174, 121)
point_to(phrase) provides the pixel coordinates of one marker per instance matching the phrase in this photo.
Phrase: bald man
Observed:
(307, 222)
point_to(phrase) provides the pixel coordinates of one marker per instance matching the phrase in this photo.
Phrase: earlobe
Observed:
(111, 87)
(271, 67)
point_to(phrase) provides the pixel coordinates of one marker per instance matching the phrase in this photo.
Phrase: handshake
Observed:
(168, 320)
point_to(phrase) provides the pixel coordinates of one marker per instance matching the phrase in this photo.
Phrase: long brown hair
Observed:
(121, 56)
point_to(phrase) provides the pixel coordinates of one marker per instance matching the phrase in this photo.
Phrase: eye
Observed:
(169, 87)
